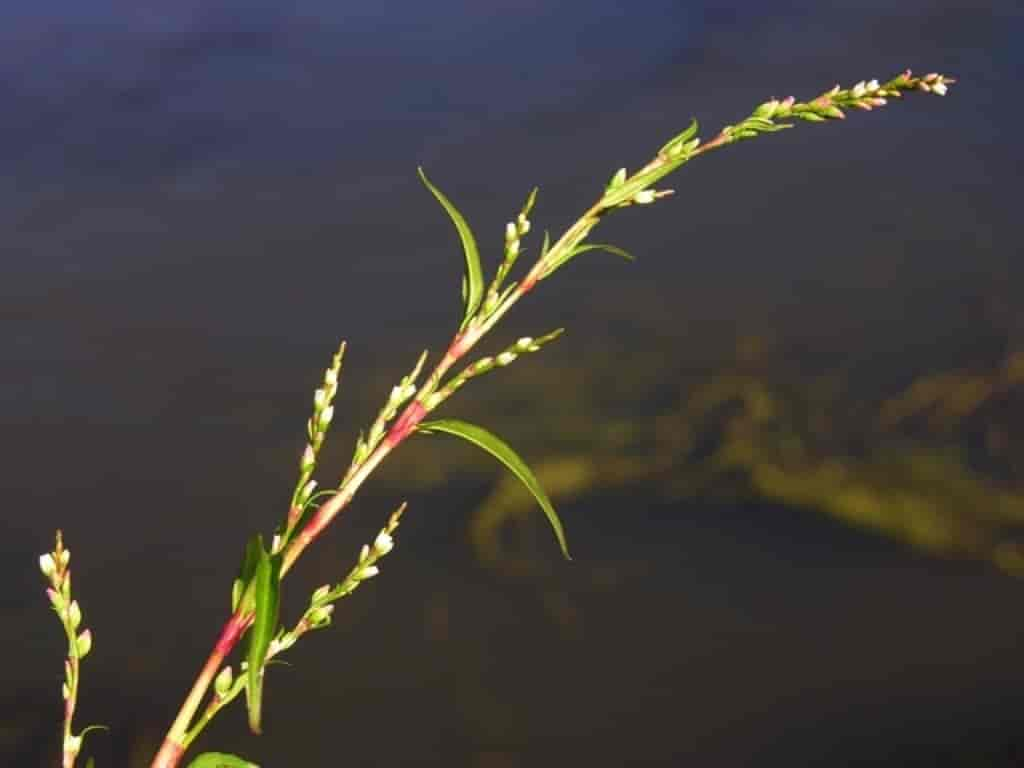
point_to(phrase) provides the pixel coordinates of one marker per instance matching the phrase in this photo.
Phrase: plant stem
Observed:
(173, 745)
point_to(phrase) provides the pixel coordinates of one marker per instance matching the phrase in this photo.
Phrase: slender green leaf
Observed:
(220, 760)
(473, 278)
(614, 249)
(589, 247)
(266, 596)
(545, 245)
(503, 453)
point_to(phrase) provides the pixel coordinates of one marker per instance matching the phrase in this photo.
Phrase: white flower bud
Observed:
(47, 565)
(859, 90)
(368, 572)
(308, 458)
(74, 614)
(872, 86)
(506, 357)
(325, 416)
(644, 196)
(307, 491)
(939, 88)
(319, 399)
(331, 377)
(524, 343)
(523, 224)
(383, 543)
(511, 233)
(84, 643)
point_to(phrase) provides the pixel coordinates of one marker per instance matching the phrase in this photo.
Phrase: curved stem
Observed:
(174, 742)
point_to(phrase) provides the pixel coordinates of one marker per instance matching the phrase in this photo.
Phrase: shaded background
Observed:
(199, 199)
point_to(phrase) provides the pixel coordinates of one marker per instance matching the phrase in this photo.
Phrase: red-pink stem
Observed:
(173, 748)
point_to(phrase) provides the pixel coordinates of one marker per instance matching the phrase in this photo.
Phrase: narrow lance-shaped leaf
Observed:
(266, 596)
(220, 760)
(614, 249)
(473, 279)
(503, 453)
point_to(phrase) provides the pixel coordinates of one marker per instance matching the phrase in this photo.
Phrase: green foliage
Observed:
(473, 278)
(266, 604)
(502, 452)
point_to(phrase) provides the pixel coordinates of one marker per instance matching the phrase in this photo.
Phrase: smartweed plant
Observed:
(255, 594)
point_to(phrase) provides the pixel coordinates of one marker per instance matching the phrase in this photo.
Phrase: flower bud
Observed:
(47, 565)
(74, 614)
(319, 399)
(939, 88)
(859, 90)
(511, 232)
(325, 417)
(308, 458)
(84, 643)
(383, 543)
(368, 572)
(222, 683)
(320, 616)
(644, 196)
(320, 593)
(307, 491)
(522, 224)
(506, 357)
